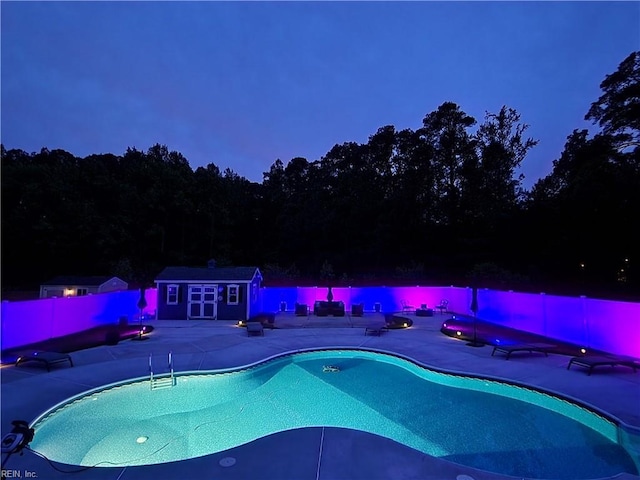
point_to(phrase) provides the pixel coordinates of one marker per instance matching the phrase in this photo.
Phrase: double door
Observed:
(203, 301)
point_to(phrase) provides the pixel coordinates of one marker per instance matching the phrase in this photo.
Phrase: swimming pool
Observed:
(476, 422)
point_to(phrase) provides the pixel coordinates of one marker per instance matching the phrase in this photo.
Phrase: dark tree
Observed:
(617, 110)
(446, 132)
(437, 203)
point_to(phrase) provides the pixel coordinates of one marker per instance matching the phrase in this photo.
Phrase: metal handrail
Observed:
(171, 369)
(150, 371)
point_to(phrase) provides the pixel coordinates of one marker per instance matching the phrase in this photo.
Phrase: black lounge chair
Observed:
(523, 347)
(376, 330)
(591, 362)
(45, 359)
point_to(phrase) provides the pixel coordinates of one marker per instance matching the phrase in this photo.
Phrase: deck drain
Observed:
(228, 462)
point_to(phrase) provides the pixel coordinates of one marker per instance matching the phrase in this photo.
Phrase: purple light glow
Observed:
(36, 320)
(595, 324)
(390, 298)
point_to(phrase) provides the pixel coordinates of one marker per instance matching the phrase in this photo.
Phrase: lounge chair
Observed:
(255, 328)
(45, 359)
(376, 330)
(523, 347)
(591, 362)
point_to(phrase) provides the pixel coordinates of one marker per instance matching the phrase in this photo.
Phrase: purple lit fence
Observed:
(32, 321)
(389, 299)
(595, 324)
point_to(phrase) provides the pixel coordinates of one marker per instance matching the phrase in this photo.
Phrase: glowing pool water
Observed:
(475, 422)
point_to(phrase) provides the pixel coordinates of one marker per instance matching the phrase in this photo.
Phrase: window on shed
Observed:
(81, 292)
(233, 294)
(172, 294)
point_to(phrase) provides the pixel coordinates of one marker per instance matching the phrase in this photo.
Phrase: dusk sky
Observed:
(242, 84)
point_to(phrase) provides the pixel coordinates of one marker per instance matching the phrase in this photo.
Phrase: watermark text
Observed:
(19, 474)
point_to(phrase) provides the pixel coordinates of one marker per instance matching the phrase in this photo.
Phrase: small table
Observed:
(255, 328)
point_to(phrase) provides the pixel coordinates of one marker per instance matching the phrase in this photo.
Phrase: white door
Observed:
(202, 301)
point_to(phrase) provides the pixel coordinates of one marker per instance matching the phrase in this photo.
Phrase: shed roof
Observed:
(208, 274)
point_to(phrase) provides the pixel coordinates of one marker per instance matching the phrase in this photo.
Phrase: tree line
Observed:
(441, 204)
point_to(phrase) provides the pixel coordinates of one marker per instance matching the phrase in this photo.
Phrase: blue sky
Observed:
(242, 84)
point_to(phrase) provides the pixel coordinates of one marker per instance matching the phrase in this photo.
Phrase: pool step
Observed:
(162, 382)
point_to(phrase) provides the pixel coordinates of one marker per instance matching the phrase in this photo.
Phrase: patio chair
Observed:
(357, 309)
(443, 306)
(406, 307)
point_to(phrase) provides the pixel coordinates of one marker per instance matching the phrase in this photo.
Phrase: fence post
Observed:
(585, 323)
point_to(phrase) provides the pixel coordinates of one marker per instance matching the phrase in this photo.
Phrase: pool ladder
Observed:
(161, 382)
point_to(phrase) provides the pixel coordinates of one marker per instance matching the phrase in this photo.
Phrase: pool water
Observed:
(478, 423)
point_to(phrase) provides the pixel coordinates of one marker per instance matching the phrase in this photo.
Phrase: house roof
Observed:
(93, 281)
(208, 274)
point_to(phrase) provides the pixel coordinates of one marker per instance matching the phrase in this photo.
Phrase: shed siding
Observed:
(233, 312)
(172, 312)
(253, 298)
(248, 292)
